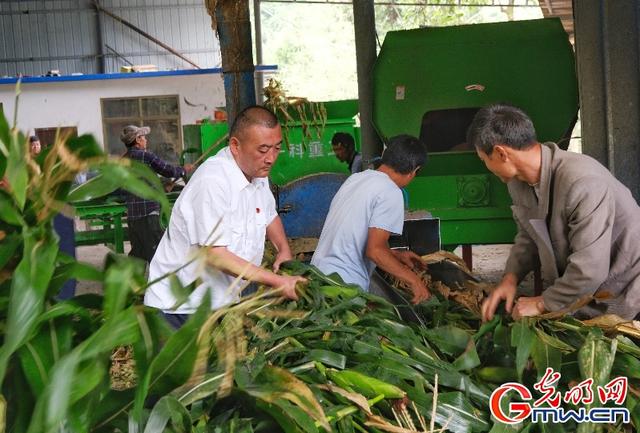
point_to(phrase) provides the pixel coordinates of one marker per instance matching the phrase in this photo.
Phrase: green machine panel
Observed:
(527, 63)
(429, 83)
(301, 156)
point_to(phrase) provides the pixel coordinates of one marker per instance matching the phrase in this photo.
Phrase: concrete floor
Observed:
(488, 263)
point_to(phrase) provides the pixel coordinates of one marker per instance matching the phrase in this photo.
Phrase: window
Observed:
(160, 113)
(47, 136)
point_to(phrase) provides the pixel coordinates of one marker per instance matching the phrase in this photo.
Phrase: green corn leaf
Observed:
(339, 292)
(626, 365)
(290, 418)
(166, 409)
(179, 292)
(327, 357)
(449, 339)
(95, 187)
(633, 404)
(523, 339)
(487, 327)
(66, 308)
(120, 330)
(72, 270)
(205, 388)
(174, 364)
(286, 398)
(499, 427)
(595, 359)
(16, 171)
(553, 341)
(8, 248)
(85, 147)
(39, 354)
(113, 406)
(557, 428)
(453, 409)
(154, 331)
(8, 211)
(366, 385)
(497, 374)
(17, 395)
(60, 392)
(28, 289)
(5, 136)
(86, 378)
(545, 356)
(469, 359)
(626, 345)
(120, 277)
(393, 372)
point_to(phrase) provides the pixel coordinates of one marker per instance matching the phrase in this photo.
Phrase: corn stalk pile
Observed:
(312, 116)
(340, 359)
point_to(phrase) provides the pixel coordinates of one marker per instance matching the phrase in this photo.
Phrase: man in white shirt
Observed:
(226, 208)
(367, 209)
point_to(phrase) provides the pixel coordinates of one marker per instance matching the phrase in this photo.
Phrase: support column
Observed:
(608, 66)
(234, 32)
(365, 25)
(100, 59)
(257, 25)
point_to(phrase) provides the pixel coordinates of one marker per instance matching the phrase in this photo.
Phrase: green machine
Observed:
(430, 83)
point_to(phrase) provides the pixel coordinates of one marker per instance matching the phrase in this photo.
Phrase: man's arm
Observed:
(521, 261)
(165, 169)
(379, 252)
(277, 236)
(223, 259)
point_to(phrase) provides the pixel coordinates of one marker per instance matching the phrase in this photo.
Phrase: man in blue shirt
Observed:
(143, 216)
(367, 209)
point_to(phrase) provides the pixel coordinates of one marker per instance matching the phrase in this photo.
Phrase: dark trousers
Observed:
(144, 234)
(175, 320)
(64, 227)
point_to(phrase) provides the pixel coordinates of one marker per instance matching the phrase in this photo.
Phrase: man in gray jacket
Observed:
(575, 220)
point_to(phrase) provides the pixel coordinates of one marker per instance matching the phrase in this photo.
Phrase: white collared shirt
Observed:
(218, 207)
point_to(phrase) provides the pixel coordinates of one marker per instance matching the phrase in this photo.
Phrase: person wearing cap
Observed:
(143, 216)
(345, 149)
(34, 145)
(216, 234)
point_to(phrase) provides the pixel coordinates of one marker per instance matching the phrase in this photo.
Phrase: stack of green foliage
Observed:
(336, 360)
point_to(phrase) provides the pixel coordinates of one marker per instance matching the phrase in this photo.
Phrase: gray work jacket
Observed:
(584, 225)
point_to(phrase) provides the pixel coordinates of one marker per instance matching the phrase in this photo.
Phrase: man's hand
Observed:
(188, 168)
(528, 306)
(505, 291)
(410, 259)
(419, 290)
(282, 256)
(288, 285)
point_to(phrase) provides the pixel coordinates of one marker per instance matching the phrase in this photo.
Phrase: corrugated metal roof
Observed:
(40, 35)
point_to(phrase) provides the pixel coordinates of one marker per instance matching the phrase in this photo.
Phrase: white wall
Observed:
(77, 103)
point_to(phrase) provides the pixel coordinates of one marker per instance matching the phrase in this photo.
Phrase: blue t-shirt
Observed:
(369, 199)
